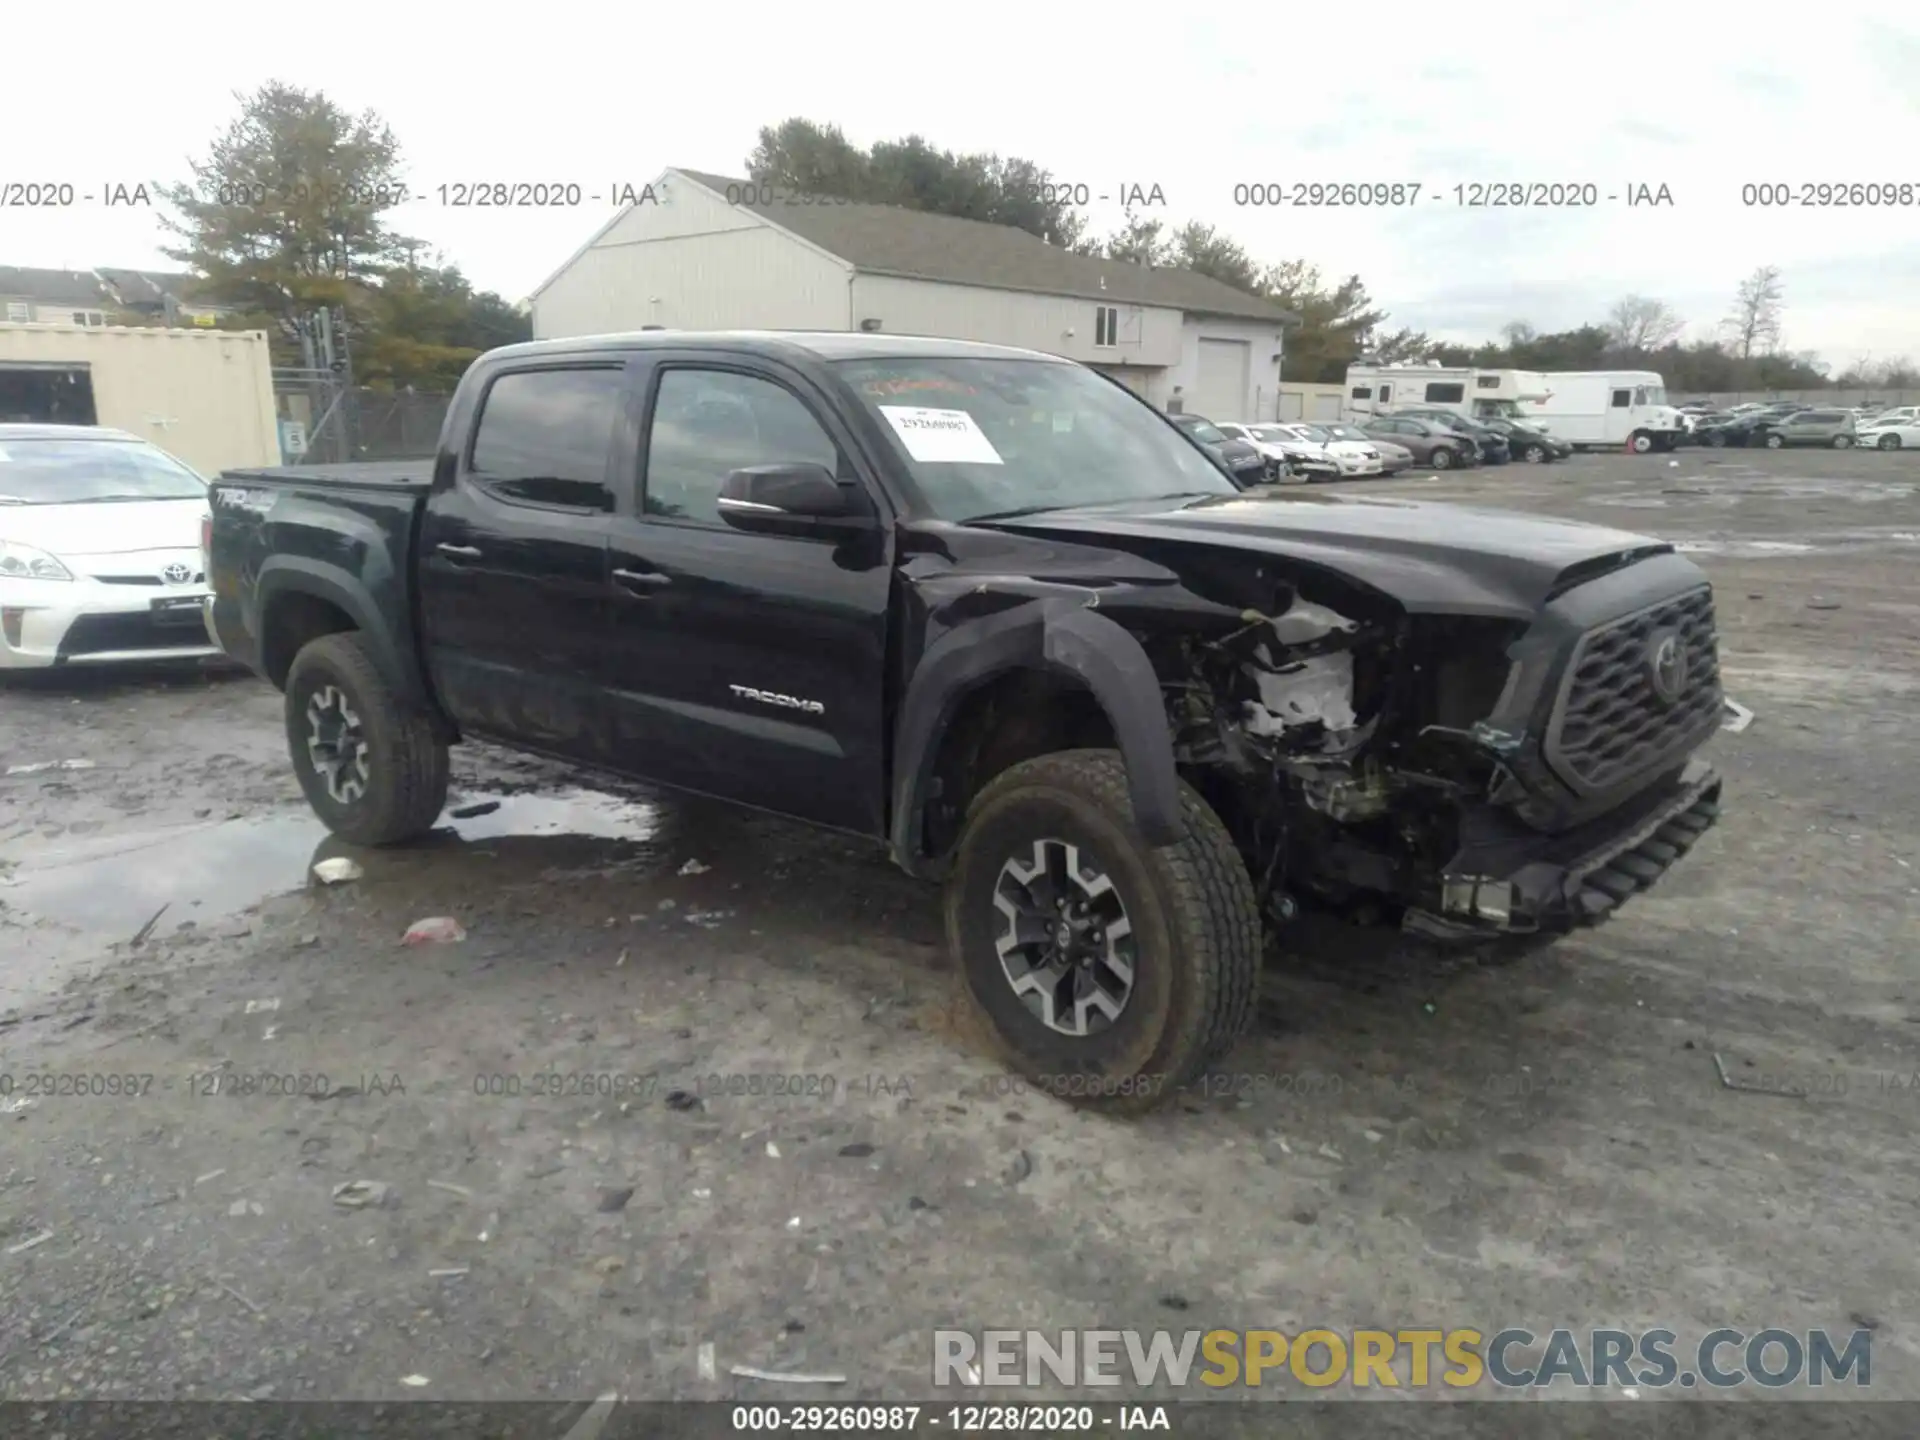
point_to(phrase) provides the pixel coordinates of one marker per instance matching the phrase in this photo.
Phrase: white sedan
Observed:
(1886, 434)
(1356, 458)
(100, 556)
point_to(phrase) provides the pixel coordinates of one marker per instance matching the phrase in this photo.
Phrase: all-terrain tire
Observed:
(405, 761)
(1195, 929)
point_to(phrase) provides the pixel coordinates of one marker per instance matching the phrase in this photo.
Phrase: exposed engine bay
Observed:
(1339, 748)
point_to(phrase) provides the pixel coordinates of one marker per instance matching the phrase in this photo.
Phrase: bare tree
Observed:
(1640, 322)
(1517, 333)
(1755, 321)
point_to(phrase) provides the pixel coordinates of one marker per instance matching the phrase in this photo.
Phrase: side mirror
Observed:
(796, 499)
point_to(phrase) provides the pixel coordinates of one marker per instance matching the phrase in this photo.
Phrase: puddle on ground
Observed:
(1752, 549)
(205, 871)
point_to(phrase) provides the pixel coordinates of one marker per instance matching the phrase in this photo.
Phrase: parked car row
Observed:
(1383, 446)
(1781, 423)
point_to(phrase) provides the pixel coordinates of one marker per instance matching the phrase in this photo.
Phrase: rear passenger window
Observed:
(708, 423)
(544, 436)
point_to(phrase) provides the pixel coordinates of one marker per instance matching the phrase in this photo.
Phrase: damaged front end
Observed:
(1401, 769)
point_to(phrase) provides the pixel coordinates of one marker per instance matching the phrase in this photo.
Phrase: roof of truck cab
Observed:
(816, 344)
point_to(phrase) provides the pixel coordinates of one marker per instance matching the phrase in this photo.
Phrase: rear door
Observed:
(513, 557)
(748, 667)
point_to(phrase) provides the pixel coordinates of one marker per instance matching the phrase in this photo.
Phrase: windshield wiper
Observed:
(1015, 514)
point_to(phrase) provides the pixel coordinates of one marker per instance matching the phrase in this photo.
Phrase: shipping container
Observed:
(204, 396)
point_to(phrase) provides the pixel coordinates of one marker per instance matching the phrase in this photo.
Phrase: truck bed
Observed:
(405, 474)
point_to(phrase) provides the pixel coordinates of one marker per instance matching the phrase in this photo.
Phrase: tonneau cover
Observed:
(410, 474)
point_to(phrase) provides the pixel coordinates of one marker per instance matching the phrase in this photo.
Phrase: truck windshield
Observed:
(80, 472)
(985, 437)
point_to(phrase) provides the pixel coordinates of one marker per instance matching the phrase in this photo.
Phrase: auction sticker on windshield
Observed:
(940, 437)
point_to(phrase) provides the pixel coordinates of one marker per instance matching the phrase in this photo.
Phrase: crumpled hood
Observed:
(1430, 556)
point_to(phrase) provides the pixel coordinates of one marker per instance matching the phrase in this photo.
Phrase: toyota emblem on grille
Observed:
(1667, 666)
(176, 574)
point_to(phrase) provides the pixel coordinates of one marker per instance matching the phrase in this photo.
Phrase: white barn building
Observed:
(702, 252)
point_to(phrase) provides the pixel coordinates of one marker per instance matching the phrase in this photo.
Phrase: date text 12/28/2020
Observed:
(1470, 195)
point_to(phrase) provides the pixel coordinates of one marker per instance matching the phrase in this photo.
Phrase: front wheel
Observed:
(1534, 454)
(1640, 442)
(1889, 442)
(1717, 442)
(372, 767)
(1442, 458)
(1111, 973)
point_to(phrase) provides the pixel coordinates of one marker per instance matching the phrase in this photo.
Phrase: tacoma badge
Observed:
(785, 702)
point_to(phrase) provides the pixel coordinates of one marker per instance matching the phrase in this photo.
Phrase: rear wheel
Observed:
(1889, 442)
(1717, 441)
(1111, 973)
(372, 768)
(1841, 442)
(1775, 442)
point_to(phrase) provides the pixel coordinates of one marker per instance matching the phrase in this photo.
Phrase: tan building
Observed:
(704, 252)
(204, 396)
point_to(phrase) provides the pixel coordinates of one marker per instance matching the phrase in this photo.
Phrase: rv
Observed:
(1374, 390)
(1591, 408)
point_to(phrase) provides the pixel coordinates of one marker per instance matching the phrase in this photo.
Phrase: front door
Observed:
(513, 563)
(748, 667)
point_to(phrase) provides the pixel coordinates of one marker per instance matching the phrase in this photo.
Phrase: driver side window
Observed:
(708, 423)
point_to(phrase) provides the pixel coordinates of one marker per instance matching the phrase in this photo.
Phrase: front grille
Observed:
(1610, 724)
(98, 634)
(197, 578)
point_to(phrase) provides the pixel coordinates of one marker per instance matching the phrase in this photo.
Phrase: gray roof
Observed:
(149, 287)
(53, 287)
(892, 240)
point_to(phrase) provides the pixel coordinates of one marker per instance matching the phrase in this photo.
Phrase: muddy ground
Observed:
(1538, 1143)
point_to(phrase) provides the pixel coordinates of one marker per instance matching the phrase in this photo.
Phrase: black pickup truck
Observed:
(989, 609)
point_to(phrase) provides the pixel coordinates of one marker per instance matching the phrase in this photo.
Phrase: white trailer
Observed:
(1468, 392)
(1608, 409)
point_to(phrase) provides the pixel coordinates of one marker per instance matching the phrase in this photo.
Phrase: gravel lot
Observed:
(1540, 1142)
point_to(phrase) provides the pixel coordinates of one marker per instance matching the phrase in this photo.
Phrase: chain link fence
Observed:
(323, 422)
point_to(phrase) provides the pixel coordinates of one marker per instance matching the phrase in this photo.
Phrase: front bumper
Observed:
(44, 623)
(1507, 879)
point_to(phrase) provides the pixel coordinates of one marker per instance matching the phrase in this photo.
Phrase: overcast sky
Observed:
(1702, 98)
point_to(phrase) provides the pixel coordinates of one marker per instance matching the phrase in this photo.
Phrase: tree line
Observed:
(291, 211)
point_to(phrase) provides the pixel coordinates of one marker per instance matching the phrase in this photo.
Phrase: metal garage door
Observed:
(1220, 392)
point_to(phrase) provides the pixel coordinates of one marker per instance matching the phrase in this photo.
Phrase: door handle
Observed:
(459, 552)
(642, 579)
